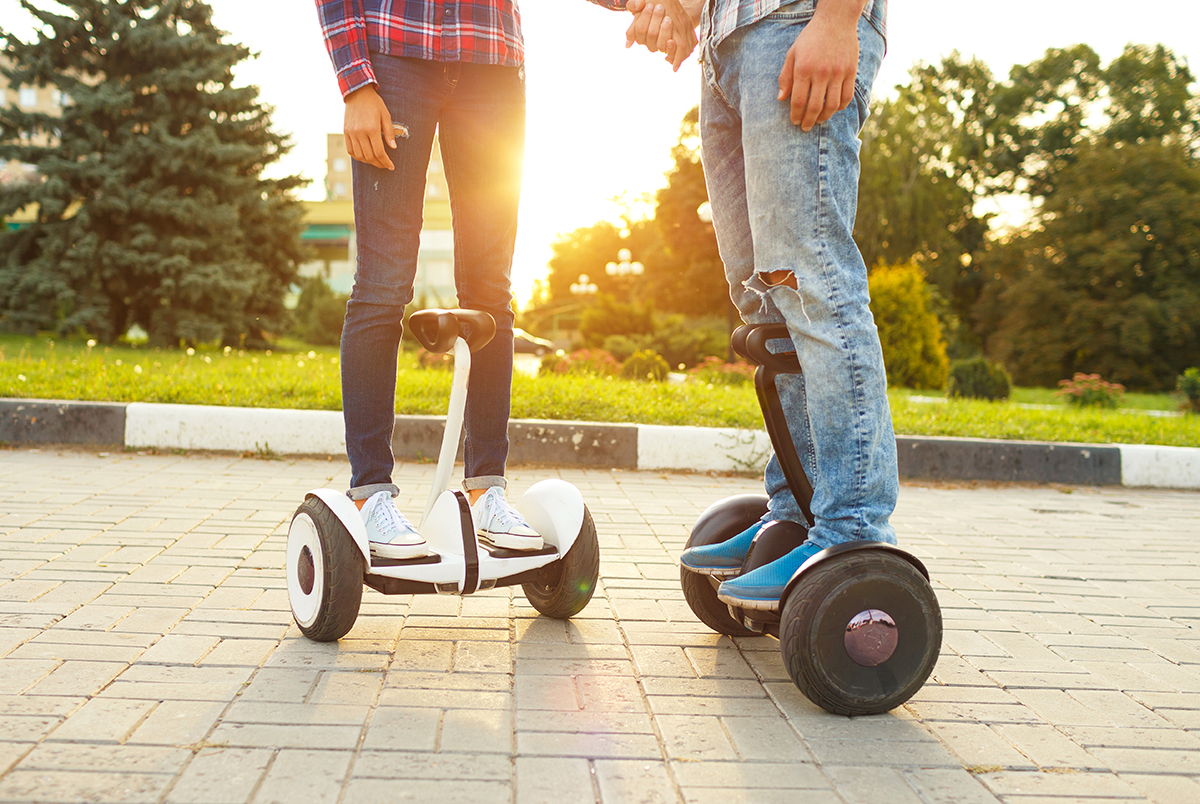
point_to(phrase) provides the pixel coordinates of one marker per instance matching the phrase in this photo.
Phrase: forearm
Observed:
(344, 29)
(611, 5)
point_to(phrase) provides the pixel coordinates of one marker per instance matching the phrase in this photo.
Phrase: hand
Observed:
(819, 71)
(664, 26)
(368, 126)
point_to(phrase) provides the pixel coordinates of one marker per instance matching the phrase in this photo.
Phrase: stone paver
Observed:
(147, 654)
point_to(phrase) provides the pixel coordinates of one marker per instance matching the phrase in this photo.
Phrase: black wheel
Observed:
(700, 592)
(562, 588)
(324, 573)
(860, 632)
(721, 521)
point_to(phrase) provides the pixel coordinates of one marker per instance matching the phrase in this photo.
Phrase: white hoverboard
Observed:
(329, 559)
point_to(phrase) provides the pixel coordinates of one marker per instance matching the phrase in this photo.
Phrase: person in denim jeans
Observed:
(786, 91)
(408, 69)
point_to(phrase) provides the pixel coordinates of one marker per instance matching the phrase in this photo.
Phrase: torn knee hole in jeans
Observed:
(763, 283)
(400, 130)
(776, 279)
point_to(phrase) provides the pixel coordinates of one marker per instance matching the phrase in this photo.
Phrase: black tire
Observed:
(324, 588)
(701, 597)
(721, 521)
(562, 588)
(813, 632)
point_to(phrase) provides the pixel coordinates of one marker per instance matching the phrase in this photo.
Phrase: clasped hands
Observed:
(664, 26)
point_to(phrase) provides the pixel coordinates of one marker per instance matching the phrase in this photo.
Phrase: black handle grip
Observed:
(750, 341)
(437, 330)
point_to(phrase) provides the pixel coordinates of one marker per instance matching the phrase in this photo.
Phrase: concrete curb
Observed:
(140, 425)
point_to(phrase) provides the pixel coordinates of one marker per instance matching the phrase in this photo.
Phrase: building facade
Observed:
(331, 230)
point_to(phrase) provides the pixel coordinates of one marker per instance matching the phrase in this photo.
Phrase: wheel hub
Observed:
(871, 637)
(306, 572)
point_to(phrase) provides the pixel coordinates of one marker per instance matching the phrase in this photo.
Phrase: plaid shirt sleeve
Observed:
(614, 5)
(343, 24)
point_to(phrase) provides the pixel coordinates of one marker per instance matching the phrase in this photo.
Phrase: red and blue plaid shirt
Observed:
(478, 31)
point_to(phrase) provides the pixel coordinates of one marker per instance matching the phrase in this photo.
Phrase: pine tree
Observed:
(151, 207)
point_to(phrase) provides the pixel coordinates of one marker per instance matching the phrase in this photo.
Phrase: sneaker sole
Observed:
(755, 604)
(511, 542)
(716, 572)
(399, 550)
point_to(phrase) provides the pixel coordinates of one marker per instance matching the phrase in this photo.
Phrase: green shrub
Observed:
(914, 350)
(1088, 390)
(319, 313)
(590, 362)
(621, 347)
(645, 365)
(608, 317)
(1189, 384)
(715, 371)
(680, 343)
(978, 378)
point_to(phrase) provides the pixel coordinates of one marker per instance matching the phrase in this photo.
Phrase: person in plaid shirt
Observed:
(408, 68)
(786, 89)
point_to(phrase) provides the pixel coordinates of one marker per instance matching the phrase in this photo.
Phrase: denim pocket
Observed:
(799, 11)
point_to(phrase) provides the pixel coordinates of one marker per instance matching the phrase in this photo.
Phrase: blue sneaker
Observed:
(761, 588)
(722, 558)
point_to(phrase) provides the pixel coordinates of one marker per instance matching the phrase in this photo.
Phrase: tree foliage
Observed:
(151, 208)
(914, 350)
(1110, 282)
(688, 275)
(1098, 278)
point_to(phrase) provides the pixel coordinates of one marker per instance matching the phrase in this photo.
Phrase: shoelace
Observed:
(387, 517)
(497, 509)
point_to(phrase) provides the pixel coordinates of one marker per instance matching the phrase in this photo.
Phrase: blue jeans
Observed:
(784, 200)
(478, 112)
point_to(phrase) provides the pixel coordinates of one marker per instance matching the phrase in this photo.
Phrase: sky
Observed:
(602, 119)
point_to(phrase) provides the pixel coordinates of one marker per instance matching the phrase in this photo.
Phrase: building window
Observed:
(339, 166)
(27, 97)
(434, 191)
(339, 189)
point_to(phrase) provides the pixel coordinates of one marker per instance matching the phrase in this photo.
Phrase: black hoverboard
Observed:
(858, 623)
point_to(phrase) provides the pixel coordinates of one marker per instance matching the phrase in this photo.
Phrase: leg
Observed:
(725, 173)
(482, 138)
(801, 196)
(388, 210)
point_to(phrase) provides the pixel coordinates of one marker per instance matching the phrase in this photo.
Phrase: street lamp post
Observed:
(584, 287)
(624, 265)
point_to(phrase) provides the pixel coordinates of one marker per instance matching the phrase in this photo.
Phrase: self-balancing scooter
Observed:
(329, 558)
(858, 623)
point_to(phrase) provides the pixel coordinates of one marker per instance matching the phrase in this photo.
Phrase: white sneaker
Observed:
(389, 533)
(497, 523)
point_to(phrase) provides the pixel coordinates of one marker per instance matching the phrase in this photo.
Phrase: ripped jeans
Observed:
(785, 200)
(478, 112)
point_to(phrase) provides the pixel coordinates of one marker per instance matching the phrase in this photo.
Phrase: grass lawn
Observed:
(300, 376)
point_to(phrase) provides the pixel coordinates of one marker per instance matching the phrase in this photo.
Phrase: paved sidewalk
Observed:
(148, 654)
